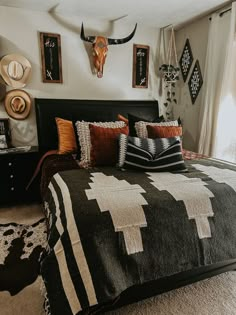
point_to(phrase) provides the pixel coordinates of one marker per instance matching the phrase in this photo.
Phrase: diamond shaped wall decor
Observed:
(186, 60)
(195, 82)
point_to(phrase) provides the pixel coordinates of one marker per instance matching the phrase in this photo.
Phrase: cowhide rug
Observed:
(22, 241)
(20, 249)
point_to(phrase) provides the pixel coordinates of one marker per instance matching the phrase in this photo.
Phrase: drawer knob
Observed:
(11, 176)
(10, 163)
(12, 188)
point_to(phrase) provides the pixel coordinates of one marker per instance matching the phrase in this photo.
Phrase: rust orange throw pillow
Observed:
(104, 144)
(122, 118)
(164, 131)
(66, 136)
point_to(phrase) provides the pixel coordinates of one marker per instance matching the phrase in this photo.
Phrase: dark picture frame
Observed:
(50, 46)
(5, 135)
(140, 66)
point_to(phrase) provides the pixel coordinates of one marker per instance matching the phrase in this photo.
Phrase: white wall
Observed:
(19, 34)
(197, 33)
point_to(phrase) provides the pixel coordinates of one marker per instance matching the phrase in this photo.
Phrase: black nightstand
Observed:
(16, 170)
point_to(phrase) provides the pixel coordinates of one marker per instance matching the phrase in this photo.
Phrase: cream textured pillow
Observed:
(83, 133)
(141, 126)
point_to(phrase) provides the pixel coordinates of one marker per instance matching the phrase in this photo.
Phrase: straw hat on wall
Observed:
(17, 104)
(15, 70)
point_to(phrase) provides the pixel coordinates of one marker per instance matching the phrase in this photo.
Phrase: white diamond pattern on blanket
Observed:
(196, 197)
(124, 202)
(225, 176)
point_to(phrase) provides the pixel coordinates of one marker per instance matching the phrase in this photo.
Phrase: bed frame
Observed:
(107, 110)
(88, 110)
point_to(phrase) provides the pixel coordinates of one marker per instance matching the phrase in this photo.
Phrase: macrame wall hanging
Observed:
(170, 72)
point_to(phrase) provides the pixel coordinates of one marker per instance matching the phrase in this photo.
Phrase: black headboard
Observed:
(88, 110)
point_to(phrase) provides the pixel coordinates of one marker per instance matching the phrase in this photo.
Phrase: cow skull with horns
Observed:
(100, 49)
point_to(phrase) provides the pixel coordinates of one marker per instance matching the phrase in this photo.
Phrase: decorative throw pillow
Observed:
(132, 119)
(169, 160)
(141, 126)
(154, 146)
(104, 144)
(122, 118)
(164, 131)
(83, 133)
(66, 136)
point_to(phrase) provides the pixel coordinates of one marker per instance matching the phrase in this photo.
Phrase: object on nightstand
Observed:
(5, 138)
(15, 149)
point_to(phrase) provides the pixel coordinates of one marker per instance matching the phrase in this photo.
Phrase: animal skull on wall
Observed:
(100, 47)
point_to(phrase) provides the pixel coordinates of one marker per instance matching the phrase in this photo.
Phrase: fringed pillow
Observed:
(141, 126)
(84, 139)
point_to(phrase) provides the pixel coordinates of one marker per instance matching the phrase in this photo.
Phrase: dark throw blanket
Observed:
(112, 229)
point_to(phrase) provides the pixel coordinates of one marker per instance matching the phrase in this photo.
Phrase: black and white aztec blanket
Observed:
(112, 229)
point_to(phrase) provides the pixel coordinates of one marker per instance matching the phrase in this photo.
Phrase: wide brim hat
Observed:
(18, 104)
(15, 70)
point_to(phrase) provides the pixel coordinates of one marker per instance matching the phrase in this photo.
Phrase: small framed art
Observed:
(50, 45)
(5, 137)
(140, 66)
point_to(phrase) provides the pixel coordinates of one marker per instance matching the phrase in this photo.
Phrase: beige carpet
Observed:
(215, 296)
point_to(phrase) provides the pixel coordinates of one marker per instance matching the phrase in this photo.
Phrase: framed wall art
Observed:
(140, 66)
(5, 137)
(50, 45)
(195, 82)
(186, 60)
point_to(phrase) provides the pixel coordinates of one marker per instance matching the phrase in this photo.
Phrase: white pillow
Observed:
(83, 133)
(141, 126)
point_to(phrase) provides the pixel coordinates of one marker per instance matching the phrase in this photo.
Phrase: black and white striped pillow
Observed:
(169, 160)
(154, 146)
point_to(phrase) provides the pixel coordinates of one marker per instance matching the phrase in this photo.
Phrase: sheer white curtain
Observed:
(225, 140)
(218, 111)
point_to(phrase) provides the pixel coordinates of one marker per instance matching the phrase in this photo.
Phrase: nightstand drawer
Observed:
(16, 170)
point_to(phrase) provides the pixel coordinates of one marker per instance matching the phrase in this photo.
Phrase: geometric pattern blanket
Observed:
(111, 229)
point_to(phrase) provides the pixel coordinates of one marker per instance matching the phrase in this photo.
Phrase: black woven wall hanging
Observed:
(195, 82)
(186, 60)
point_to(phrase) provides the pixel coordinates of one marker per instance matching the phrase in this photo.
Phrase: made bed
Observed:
(117, 235)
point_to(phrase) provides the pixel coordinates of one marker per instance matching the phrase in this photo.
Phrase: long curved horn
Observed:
(90, 39)
(122, 40)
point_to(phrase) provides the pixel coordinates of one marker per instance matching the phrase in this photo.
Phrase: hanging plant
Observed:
(170, 71)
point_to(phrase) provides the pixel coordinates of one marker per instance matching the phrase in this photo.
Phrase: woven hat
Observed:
(17, 104)
(15, 70)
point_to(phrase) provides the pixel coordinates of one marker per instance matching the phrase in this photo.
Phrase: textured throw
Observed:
(111, 229)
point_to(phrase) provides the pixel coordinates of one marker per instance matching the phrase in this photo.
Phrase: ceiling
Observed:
(152, 13)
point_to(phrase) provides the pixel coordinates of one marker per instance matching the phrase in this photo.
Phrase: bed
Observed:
(101, 256)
